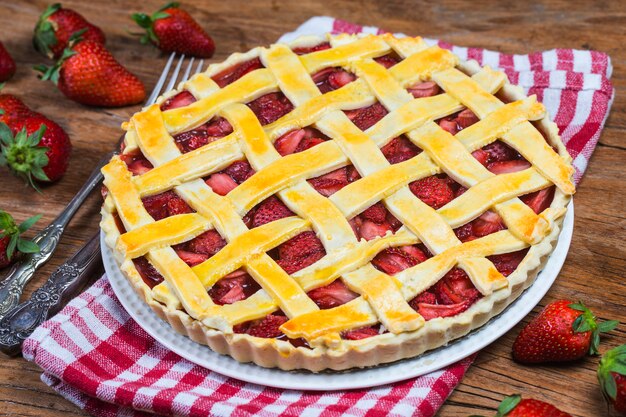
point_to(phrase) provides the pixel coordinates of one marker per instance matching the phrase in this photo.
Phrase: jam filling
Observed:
(136, 162)
(332, 78)
(182, 99)
(208, 132)
(373, 222)
(148, 273)
(270, 107)
(308, 49)
(363, 332)
(332, 295)
(388, 60)
(225, 181)
(328, 184)
(236, 286)
(397, 259)
(299, 252)
(269, 327)
(436, 190)
(299, 140)
(200, 248)
(424, 89)
(166, 204)
(232, 74)
(366, 117)
(400, 149)
(506, 263)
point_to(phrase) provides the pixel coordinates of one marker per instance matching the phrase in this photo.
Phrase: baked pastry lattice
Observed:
(419, 91)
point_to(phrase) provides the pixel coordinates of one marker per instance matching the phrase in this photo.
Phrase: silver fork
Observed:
(17, 321)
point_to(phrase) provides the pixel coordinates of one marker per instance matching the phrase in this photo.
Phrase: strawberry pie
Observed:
(336, 203)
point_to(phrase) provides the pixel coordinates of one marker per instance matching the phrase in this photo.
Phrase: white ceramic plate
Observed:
(357, 378)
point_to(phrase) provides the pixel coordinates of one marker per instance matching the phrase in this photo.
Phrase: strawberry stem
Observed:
(45, 37)
(613, 361)
(587, 322)
(9, 228)
(508, 404)
(23, 155)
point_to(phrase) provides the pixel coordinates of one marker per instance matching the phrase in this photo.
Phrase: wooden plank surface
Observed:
(593, 272)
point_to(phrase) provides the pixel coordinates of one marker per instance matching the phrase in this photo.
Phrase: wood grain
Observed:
(597, 260)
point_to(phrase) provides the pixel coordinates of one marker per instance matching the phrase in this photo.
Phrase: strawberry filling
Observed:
(366, 117)
(234, 73)
(425, 89)
(506, 263)
(225, 181)
(209, 132)
(136, 162)
(362, 333)
(182, 99)
(330, 183)
(148, 273)
(299, 140)
(400, 149)
(458, 121)
(270, 107)
(267, 327)
(299, 252)
(332, 295)
(333, 78)
(539, 200)
(269, 210)
(394, 260)
(236, 286)
(388, 60)
(436, 190)
(166, 204)
(309, 49)
(451, 295)
(200, 248)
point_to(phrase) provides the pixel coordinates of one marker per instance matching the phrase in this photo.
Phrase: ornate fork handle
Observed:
(20, 322)
(12, 286)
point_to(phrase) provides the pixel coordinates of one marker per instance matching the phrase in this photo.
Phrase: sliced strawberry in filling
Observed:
(330, 183)
(376, 213)
(234, 287)
(221, 183)
(499, 151)
(435, 191)
(267, 327)
(507, 167)
(269, 210)
(191, 258)
(239, 171)
(539, 200)
(458, 121)
(209, 132)
(333, 78)
(270, 107)
(369, 230)
(399, 149)
(136, 162)
(506, 263)
(362, 333)
(425, 89)
(166, 204)
(308, 49)
(299, 252)
(367, 117)
(182, 99)
(234, 73)
(299, 140)
(388, 60)
(394, 260)
(207, 243)
(432, 311)
(148, 273)
(332, 295)
(487, 223)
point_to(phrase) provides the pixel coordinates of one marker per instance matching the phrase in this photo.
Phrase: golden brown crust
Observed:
(372, 351)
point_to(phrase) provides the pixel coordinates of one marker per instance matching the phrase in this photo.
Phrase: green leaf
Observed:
(76, 36)
(27, 246)
(28, 223)
(39, 174)
(5, 133)
(578, 306)
(508, 404)
(610, 387)
(160, 15)
(6, 221)
(171, 5)
(11, 246)
(607, 326)
(142, 20)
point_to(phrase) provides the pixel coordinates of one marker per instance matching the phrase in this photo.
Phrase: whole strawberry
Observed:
(12, 109)
(7, 64)
(612, 377)
(88, 73)
(56, 26)
(172, 29)
(10, 241)
(515, 406)
(562, 332)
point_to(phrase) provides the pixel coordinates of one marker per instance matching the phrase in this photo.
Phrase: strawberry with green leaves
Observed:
(7, 64)
(612, 377)
(56, 26)
(172, 29)
(11, 242)
(563, 331)
(515, 406)
(89, 74)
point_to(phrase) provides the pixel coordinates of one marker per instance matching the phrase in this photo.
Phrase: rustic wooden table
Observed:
(594, 268)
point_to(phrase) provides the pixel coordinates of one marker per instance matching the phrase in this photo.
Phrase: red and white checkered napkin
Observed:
(94, 355)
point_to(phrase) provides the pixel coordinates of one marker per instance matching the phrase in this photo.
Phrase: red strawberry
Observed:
(291, 266)
(466, 118)
(89, 74)
(302, 245)
(612, 377)
(358, 334)
(507, 167)
(431, 311)
(182, 99)
(40, 149)
(232, 74)
(229, 290)
(465, 233)
(369, 230)
(269, 210)
(425, 89)
(387, 61)
(330, 183)
(450, 125)
(172, 29)
(12, 109)
(481, 156)
(166, 204)
(309, 49)
(11, 243)
(499, 151)
(7, 64)
(489, 222)
(136, 162)
(539, 200)
(376, 213)
(268, 327)
(270, 107)
(426, 297)
(434, 191)
(562, 332)
(148, 273)
(191, 258)
(366, 117)
(332, 295)
(506, 263)
(208, 243)
(57, 25)
(221, 183)
(399, 149)
(191, 140)
(239, 171)
(288, 143)
(394, 260)
(515, 406)
(455, 287)
(339, 78)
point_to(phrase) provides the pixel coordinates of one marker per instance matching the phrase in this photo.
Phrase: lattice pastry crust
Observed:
(183, 301)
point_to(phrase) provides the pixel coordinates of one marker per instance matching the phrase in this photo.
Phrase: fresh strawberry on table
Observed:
(7, 64)
(11, 242)
(563, 331)
(89, 74)
(515, 406)
(172, 29)
(56, 26)
(612, 377)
